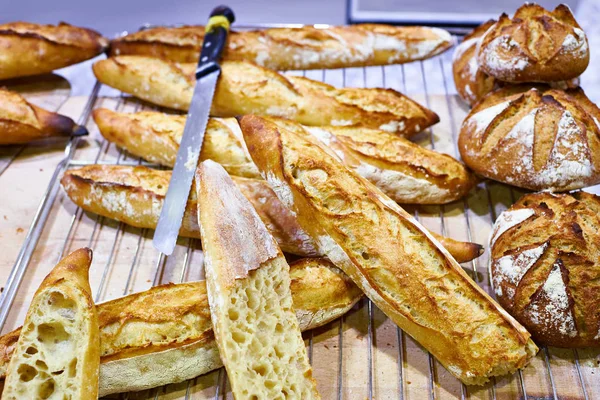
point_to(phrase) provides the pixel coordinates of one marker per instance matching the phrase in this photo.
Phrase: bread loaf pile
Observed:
(531, 126)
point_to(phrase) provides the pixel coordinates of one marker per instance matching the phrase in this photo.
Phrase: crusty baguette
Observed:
(390, 256)
(22, 122)
(248, 284)
(57, 354)
(33, 49)
(406, 172)
(132, 327)
(307, 47)
(134, 195)
(245, 88)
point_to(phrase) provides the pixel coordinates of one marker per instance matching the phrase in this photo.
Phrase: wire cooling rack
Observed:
(360, 356)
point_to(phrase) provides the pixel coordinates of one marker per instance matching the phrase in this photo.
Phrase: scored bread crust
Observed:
(536, 45)
(169, 325)
(544, 266)
(134, 195)
(248, 285)
(406, 172)
(23, 122)
(307, 47)
(33, 49)
(471, 82)
(58, 351)
(390, 256)
(244, 88)
(534, 137)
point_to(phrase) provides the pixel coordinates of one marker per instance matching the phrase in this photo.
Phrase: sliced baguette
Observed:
(406, 172)
(246, 88)
(170, 326)
(307, 47)
(57, 354)
(400, 266)
(32, 49)
(248, 284)
(23, 122)
(134, 195)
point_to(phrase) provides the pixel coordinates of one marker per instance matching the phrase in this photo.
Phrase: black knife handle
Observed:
(215, 39)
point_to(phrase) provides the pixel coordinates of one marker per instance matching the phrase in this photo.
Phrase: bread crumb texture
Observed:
(544, 267)
(263, 350)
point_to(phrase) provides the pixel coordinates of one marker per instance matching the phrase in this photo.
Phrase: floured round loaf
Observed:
(545, 267)
(534, 137)
(470, 80)
(536, 45)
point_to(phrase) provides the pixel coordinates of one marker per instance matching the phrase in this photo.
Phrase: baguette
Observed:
(22, 122)
(132, 327)
(57, 354)
(307, 47)
(248, 285)
(390, 256)
(406, 172)
(134, 195)
(245, 88)
(32, 49)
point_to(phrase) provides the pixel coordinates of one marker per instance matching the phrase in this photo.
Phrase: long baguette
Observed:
(406, 172)
(390, 256)
(134, 195)
(32, 49)
(170, 326)
(245, 88)
(23, 122)
(57, 353)
(307, 47)
(248, 285)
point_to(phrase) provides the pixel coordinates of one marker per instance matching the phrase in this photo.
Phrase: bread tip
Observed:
(80, 130)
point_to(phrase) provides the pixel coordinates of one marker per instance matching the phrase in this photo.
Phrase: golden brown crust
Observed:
(544, 267)
(22, 122)
(471, 82)
(534, 137)
(174, 316)
(536, 45)
(403, 170)
(404, 271)
(307, 47)
(134, 195)
(32, 49)
(245, 88)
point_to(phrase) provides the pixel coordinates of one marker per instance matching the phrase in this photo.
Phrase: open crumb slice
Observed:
(58, 352)
(249, 294)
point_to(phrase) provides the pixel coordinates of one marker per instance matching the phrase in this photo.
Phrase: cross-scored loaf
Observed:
(390, 256)
(248, 284)
(244, 88)
(57, 354)
(170, 325)
(22, 122)
(306, 47)
(470, 80)
(545, 268)
(406, 172)
(536, 45)
(32, 49)
(534, 137)
(134, 195)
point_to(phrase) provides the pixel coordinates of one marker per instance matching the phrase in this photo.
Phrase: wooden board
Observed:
(363, 355)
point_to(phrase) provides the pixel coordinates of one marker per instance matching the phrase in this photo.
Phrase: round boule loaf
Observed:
(545, 266)
(534, 137)
(470, 80)
(536, 45)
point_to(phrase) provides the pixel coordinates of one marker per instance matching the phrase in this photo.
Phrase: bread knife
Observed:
(207, 73)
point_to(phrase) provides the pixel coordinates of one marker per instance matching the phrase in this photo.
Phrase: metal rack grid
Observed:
(362, 355)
